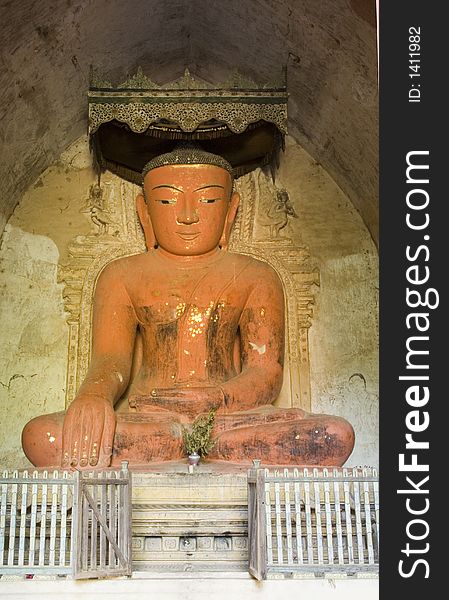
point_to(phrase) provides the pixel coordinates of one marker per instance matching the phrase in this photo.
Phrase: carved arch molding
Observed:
(266, 228)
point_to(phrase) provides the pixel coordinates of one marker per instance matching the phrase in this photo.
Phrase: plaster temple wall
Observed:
(33, 345)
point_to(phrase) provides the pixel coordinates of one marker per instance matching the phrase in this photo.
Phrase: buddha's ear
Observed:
(230, 218)
(145, 221)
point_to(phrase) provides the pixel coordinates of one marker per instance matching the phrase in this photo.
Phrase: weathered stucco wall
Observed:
(344, 335)
(33, 346)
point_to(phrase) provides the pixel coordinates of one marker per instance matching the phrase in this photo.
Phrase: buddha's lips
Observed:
(188, 235)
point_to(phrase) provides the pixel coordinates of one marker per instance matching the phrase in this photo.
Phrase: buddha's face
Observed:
(189, 207)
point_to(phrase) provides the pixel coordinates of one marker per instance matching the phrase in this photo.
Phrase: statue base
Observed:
(190, 519)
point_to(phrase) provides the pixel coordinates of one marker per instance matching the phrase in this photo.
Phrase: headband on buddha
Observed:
(187, 154)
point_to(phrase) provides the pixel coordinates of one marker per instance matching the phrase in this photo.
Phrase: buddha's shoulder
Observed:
(129, 267)
(125, 266)
(252, 266)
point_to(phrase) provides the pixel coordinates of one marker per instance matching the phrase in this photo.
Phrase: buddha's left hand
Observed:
(191, 401)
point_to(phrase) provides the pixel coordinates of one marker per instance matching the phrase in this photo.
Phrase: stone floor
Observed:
(189, 586)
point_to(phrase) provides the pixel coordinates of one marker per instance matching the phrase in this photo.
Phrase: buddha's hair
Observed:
(187, 154)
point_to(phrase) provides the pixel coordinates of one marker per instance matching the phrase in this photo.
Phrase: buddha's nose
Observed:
(187, 215)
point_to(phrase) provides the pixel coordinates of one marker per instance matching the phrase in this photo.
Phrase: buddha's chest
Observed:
(196, 299)
(189, 328)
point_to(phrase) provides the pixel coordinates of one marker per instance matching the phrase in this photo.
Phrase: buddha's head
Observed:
(188, 205)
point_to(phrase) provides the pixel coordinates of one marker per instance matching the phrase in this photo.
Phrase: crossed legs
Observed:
(274, 435)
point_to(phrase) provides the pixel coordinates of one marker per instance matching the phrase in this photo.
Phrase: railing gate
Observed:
(313, 521)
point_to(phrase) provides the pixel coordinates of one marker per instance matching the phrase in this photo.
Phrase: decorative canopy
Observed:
(135, 121)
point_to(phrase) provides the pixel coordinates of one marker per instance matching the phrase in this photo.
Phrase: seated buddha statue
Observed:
(211, 328)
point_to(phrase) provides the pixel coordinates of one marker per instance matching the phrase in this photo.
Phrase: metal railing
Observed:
(66, 523)
(313, 521)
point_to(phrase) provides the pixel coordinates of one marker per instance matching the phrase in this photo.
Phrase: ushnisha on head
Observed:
(188, 204)
(187, 154)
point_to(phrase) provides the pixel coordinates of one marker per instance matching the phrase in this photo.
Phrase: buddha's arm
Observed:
(90, 421)
(262, 347)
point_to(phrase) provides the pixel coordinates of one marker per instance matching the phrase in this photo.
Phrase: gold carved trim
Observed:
(187, 82)
(188, 115)
(189, 102)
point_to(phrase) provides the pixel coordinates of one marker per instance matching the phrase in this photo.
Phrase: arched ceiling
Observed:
(328, 45)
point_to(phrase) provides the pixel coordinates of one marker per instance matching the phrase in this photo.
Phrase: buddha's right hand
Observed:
(88, 433)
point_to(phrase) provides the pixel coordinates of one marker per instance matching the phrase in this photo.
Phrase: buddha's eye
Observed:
(167, 201)
(209, 200)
